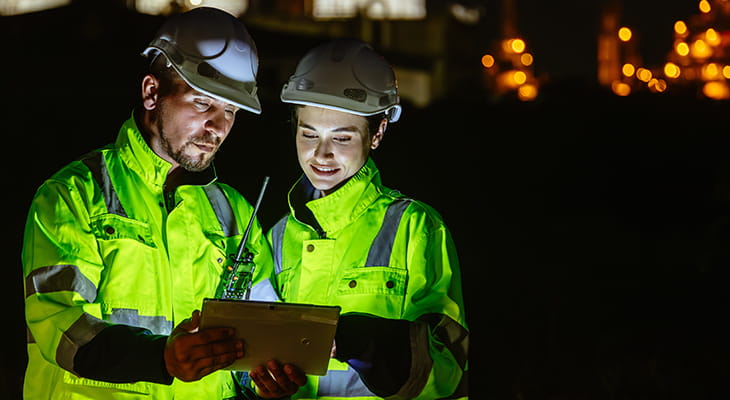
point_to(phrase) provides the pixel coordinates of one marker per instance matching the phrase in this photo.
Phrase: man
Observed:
(387, 260)
(125, 243)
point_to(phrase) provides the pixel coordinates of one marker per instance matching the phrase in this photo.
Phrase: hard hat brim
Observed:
(241, 94)
(353, 107)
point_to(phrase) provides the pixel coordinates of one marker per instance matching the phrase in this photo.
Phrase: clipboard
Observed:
(300, 334)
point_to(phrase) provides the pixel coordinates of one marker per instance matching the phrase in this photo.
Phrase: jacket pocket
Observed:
(109, 227)
(374, 290)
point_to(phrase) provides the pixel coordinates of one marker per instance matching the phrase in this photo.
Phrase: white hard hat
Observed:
(213, 52)
(345, 75)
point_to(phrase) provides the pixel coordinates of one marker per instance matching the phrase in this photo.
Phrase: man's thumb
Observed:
(191, 325)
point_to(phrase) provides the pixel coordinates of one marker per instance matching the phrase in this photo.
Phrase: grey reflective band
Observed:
(277, 236)
(60, 278)
(127, 316)
(382, 245)
(421, 362)
(455, 337)
(380, 249)
(342, 384)
(78, 334)
(222, 209)
(29, 334)
(96, 164)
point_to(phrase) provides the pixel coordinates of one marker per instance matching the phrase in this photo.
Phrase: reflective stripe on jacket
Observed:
(104, 246)
(369, 249)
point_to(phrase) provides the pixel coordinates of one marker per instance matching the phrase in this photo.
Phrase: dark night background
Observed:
(593, 230)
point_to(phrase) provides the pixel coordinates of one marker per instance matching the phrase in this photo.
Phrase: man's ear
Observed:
(378, 135)
(150, 91)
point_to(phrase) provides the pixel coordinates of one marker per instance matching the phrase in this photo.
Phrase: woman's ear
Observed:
(378, 135)
(150, 91)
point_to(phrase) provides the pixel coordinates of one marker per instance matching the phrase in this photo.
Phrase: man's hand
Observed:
(275, 380)
(191, 354)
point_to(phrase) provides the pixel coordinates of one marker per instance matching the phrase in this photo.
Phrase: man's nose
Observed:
(216, 123)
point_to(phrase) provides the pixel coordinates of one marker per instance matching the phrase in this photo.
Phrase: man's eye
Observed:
(202, 104)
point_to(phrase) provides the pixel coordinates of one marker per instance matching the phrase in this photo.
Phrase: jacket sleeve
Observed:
(62, 269)
(424, 354)
(434, 304)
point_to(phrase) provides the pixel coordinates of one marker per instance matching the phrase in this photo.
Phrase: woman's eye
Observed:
(342, 139)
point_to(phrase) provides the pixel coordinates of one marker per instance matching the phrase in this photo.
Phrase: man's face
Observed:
(190, 127)
(331, 145)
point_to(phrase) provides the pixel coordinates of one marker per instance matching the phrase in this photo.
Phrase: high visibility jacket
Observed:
(104, 246)
(371, 250)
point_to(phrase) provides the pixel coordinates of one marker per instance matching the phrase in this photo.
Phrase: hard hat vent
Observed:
(304, 84)
(207, 70)
(356, 94)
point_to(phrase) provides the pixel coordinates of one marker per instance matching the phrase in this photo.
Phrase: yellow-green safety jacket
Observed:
(104, 248)
(371, 250)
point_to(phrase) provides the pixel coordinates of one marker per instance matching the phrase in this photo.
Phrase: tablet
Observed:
(300, 334)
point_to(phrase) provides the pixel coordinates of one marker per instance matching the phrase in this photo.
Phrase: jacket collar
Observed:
(140, 158)
(338, 209)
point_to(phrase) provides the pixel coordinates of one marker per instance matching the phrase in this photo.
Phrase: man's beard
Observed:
(188, 163)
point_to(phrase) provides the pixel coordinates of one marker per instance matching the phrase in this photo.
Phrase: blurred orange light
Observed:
(487, 61)
(704, 6)
(507, 79)
(628, 69)
(519, 77)
(624, 34)
(657, 85)
(717, 90)
(527, 92)
(700, 49)
(726, 72)
(711, 71)
(515, 45)
(712, 37)
(671, 70)
(643, 74)
(682, 48)
(526, 59)
(680, 28)
(620, 88)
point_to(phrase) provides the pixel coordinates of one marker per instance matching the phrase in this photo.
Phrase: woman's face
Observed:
(332, 145)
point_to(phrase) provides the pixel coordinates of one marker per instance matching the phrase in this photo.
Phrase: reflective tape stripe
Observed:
(29, 335)
(449, 332)
(58, 278)
(158, 325)
(382, 245)
(96, 164)
(380, 249)
(222, 208)
(456, 339)
(78, 334)
(277, 236)
(264, 291)
(342, 384)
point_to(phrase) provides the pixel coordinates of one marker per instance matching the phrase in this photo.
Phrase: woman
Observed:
(387, 260)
